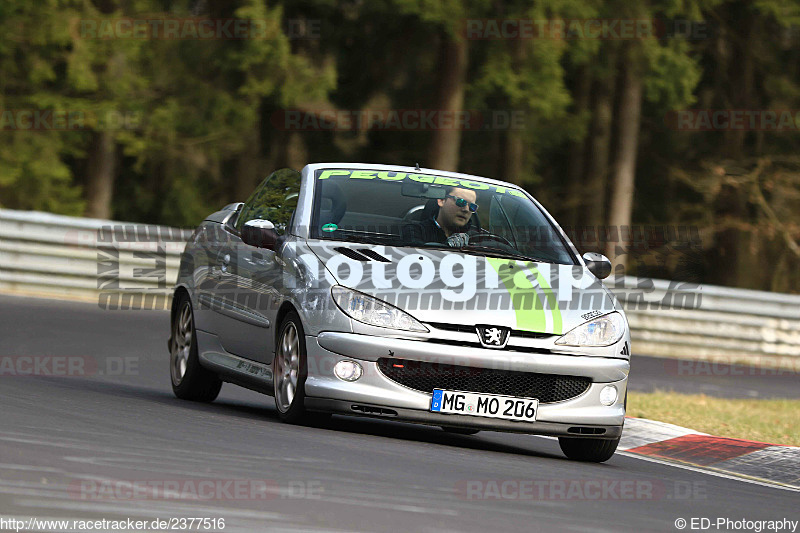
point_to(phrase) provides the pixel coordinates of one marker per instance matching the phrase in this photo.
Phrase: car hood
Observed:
(451, 287)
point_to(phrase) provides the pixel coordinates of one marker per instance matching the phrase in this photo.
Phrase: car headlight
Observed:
(372, 311)
(601, 331)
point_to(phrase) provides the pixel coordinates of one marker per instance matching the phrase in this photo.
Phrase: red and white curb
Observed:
(745, 458)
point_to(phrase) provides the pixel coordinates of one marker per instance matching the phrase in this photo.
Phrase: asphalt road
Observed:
(73, 448)
(713, 379)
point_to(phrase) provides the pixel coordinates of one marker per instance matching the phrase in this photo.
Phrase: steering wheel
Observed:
(411, 211)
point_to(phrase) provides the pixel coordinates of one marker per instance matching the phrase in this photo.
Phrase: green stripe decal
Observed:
(528, 307)
(552, 300)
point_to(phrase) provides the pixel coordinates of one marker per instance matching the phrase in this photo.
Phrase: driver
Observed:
(450, 224)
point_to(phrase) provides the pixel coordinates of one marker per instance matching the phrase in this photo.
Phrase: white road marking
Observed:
(703, 470)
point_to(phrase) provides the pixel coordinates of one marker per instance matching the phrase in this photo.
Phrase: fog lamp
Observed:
(608, 395)
(348, 370)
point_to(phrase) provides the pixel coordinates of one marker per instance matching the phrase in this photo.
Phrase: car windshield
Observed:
(424, 210)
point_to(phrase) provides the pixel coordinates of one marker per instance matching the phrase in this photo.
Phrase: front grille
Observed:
(530, 334)
(461, 328)
(453, 327)
(425, 377)
(509, 348)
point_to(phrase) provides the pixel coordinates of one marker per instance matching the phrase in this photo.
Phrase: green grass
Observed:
(771, 421)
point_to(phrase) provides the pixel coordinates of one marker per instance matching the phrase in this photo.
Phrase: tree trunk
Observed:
(514, 157)
(577, 150)
(624, 169)
(594, 193)
(737, 249)
(249, 168)
(296, 151)
(729, 254)
(514, 148)
(100, 175)
(446, 142)
(741, 72)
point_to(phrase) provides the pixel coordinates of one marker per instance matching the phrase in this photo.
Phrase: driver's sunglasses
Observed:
(460, 202)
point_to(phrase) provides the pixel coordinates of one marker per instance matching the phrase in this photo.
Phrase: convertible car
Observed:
(407, 294)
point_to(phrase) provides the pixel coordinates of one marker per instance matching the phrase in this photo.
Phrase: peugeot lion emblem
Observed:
(493, 336)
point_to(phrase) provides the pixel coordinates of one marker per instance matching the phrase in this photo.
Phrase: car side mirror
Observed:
(598, 264)
(259, 233)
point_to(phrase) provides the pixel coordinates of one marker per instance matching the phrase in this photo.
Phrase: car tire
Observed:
(290, 369)
(588, 450)
(460, 431)
(190, 381)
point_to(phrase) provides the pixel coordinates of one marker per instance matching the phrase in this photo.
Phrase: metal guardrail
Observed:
(706, 321)
(123, 265)
(111, 262)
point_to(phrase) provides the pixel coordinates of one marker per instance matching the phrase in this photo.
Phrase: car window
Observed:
(274, 200)
(499, 223)
(399, 209)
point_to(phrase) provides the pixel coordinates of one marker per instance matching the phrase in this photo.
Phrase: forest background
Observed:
(676, 119)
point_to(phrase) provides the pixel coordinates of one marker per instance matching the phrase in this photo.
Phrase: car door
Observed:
(251, 275)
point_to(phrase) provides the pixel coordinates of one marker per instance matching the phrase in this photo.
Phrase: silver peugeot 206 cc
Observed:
(403, 293)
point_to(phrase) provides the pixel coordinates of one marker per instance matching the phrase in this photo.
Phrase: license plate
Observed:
(486, 405)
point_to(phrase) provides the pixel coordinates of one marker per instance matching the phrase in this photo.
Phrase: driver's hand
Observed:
(457, 240)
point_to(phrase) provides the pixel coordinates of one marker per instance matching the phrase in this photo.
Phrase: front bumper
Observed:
(461, 421)
(376, 395)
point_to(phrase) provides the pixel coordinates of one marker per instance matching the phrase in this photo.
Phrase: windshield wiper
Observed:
(501, 253)
(357, 236)
(482, 251)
